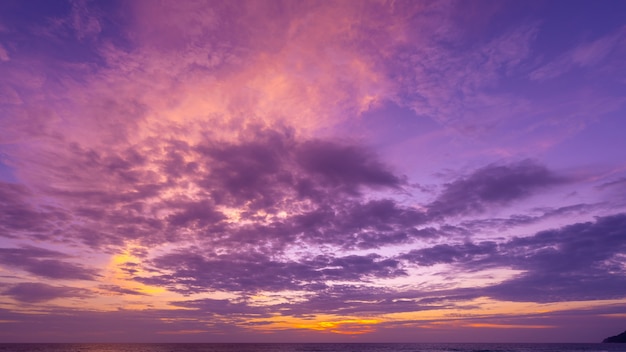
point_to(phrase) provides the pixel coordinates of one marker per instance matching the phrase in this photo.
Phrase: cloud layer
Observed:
(310, 170)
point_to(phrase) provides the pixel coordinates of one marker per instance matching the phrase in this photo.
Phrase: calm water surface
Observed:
(326, 347)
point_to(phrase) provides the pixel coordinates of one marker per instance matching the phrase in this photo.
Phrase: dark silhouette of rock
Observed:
(621, 338)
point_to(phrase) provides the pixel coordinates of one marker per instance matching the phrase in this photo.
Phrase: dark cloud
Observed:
(19, 213)
(318, 185)
(492, 185)
(45, 263)
(582, 261)
(189, 272)
(289, 194)
(502, 224)
(255, 170)
(336, 299)
(344, 167)
(268, 168)
(195, 214)
(100, 198)
(343, 299)
(365, 225)
(174, 164)
(224, 307)
(445, 253)
(355, 267)
(381, 222)
(573, 246)
(31, 292)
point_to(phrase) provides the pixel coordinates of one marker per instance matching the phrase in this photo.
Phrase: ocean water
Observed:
(314, 347)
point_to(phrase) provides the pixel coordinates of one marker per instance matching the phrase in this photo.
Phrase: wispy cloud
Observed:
(586, 55)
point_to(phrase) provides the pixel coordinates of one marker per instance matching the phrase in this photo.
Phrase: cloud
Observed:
(117, 290)
(264, 185)
(576, 262)
(261, 165)
(45, 263)
(535, 216)
(445, 253)
(492, 185)
(586, 55)
(366, 300)
(619, 183)
(198, 146)
(83, 21)
(224, 307)
(366, 225)
(190, 272)
(19, 214)
(345, 166)
(31, 292)
(451, 79)
(4, 55)
(572, 247)
(195, 214)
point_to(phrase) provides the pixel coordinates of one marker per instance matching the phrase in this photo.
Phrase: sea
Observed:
(312, 347)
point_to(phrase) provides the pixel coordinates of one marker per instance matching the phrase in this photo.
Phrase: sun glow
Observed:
(121, 269)
(321, 323)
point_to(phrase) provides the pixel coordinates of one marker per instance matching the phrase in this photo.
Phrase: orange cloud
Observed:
(344, 327)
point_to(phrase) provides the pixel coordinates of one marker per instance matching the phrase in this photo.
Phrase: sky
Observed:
(312, 171)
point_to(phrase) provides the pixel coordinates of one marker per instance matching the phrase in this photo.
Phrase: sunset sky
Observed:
(312, 171)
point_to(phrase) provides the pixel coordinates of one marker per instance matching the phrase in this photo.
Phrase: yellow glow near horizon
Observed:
(437, 318)
(148, 297)
(486, 308)
(118, 277)
(322, 323)
(345, 327)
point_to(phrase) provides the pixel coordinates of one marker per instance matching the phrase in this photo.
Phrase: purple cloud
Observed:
(576, 262)
(516, 220)
(619, 183)
(224, 307)
(365, 225)
(31, 292)
(195, 214)
(116, 194)
(189, 272)
(445, 253)
(209, 150)
(45, 263)
(344, 167)
(586, 55)
(19, 213)
(270, 166)
(492, 185)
